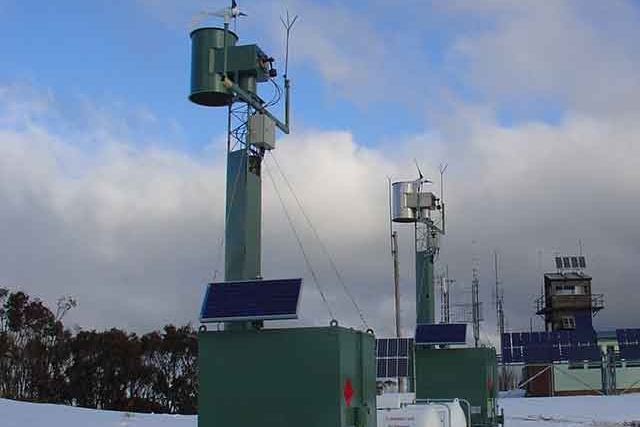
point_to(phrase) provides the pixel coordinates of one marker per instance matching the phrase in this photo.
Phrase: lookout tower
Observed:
(568, 303)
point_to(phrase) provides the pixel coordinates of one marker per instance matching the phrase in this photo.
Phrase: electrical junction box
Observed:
(421, 200)
(312, 377)
(463, 373)
(262, 131)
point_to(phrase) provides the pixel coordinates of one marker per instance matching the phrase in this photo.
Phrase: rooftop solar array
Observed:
(393, 356)
(570, 262)
(451, 333)
(251, 300)
(542, 347)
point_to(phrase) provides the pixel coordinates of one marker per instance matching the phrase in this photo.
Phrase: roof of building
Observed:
(568, 275)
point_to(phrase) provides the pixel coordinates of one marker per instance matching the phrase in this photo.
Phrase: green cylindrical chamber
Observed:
(207, 57)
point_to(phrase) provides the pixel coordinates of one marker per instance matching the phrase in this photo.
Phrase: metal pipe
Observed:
(287, 85)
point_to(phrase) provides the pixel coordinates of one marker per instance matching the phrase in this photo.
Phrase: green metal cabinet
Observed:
(465, 373)
(287, 377)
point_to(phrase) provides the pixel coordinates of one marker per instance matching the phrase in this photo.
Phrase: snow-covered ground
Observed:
(606, 411)
(547, 412)
(21, 414)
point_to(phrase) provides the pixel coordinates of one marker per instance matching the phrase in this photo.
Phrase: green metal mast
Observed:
(224, 74)
(426, 211)
(425, 304)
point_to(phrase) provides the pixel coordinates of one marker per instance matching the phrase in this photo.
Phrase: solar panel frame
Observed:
(247, 300)
(393, 357)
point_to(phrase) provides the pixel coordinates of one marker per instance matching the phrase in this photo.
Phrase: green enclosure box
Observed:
(465, 373)
(312, 377)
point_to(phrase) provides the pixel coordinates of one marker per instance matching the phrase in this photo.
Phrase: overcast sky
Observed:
(112, 183)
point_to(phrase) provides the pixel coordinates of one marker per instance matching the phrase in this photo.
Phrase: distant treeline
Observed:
(41, 361)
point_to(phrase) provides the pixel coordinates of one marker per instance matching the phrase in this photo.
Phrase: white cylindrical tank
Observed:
(411, 416)
(458, 417)
(440, 414)
(401, 211)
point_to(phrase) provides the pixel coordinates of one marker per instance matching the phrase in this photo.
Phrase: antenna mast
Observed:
(499, 304)
(475, 305)
(227, 75)
(445, 297)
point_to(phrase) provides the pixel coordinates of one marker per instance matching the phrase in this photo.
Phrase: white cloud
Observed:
(132, 229)
(578, 53)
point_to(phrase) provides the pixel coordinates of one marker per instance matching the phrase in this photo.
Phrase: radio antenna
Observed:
(288, 25)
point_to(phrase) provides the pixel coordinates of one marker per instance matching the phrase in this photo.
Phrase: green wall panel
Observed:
(464, 373)
(286, 377)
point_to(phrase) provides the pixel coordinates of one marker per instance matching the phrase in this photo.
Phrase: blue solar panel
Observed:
(381, 347)
(403, 367)
(628, 336)
(392, 367)
(533, 338)
(516, 355)
(578, 354)
(392, 357)
(403, 347)
(538, 353)
(506, 354)
(393, 348)
(251, 300)
(564, 352)
(506, 341)
(630, 352)
(516, 339)
(452, 333)
(583, 337)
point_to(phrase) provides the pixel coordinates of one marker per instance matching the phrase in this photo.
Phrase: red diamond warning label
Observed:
(347, 392)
